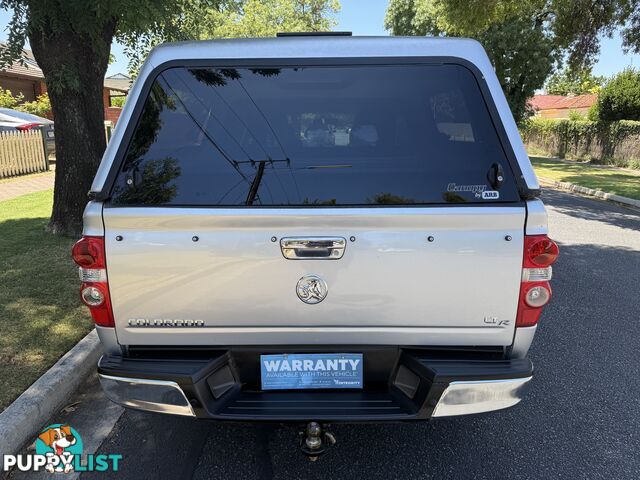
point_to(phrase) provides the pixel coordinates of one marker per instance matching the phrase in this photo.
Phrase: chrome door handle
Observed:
(313, 248)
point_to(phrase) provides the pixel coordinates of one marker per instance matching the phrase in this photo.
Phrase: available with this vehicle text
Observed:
(316, 229)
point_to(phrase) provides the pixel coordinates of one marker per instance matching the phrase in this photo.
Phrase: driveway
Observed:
(581, 418)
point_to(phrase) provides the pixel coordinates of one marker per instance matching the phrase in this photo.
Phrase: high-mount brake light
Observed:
(540, 252)
(88, 253)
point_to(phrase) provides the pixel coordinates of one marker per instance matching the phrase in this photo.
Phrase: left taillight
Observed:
(535, 291)
(88, 253)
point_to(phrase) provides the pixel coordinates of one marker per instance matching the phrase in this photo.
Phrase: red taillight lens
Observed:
(27, 126)
(539, 253)
(88, 253)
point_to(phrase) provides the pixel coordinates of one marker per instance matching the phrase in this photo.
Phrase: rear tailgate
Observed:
(224, 163)
(391, 286)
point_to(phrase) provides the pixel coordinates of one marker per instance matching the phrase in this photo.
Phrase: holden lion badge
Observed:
(311, 289)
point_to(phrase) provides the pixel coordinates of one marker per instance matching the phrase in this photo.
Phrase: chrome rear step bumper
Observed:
(143, 394)
(403, 385)
(464, 398)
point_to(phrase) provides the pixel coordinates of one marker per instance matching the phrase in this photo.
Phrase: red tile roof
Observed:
(548, 102)
(543, 102)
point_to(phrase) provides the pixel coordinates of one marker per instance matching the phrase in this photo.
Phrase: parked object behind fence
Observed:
(22, 153)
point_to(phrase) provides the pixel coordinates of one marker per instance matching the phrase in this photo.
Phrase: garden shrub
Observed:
(615, 143)
(619, 99)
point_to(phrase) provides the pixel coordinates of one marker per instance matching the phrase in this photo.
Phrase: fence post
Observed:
(22, 153)
(4, 165)
(108, 129)
(44, 147)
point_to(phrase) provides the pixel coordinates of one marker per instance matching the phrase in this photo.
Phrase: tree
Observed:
(118, 101)
(577, 25)
(568, 29)
(567, 82)
(519, 47)
(265, 18)
(71, 42)
(619, 99)
(523, 57)
(235, 19)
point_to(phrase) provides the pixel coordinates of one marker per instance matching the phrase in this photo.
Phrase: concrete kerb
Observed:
(572, 187)
(23, 419)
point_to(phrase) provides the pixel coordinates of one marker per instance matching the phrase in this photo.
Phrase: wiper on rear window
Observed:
(255, 185)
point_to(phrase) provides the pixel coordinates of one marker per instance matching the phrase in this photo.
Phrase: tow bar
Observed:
(315, 440)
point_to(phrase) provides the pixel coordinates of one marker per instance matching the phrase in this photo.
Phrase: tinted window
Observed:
(362, 135)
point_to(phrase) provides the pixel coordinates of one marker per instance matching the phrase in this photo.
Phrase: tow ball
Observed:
(315, 440)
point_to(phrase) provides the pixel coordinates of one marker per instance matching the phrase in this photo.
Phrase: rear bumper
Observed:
(400, 385)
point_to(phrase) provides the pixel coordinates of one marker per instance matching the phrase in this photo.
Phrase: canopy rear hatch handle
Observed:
(313, 248)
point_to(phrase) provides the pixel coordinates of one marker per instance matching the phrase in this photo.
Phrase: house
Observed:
(559, 106)
(28, 80)
(115, 86)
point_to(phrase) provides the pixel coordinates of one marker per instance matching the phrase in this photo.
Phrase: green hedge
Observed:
(616, 143)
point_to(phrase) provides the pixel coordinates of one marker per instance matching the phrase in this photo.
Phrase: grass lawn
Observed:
(41, 316)
(611, 180)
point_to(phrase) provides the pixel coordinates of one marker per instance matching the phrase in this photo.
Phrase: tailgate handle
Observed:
(313, 248)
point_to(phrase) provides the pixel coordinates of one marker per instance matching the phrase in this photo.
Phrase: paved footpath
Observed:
(15, 187)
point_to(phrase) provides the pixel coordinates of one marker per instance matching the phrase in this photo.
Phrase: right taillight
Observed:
(88, 253)
(539, 251)
(535, 292)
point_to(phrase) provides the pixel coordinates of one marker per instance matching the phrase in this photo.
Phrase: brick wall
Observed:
(110, 113)
(35, 88)
(40, 88)
(26, 87)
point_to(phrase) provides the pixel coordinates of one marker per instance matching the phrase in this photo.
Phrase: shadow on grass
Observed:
(607, 180)
(41, 316)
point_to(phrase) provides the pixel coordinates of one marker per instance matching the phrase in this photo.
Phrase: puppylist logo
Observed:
(59, 450)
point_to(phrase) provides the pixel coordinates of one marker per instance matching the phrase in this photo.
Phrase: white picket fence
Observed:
(21, 153)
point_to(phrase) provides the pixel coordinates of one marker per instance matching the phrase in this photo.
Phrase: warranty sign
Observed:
(311, 370)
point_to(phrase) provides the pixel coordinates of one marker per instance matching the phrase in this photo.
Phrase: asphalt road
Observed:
(580, 420)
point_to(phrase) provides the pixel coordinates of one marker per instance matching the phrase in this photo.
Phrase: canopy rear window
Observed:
(314, 136)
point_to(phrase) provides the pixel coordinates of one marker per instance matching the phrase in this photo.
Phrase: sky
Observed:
(366, 17)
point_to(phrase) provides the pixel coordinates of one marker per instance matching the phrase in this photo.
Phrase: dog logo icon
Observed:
(60, 444)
